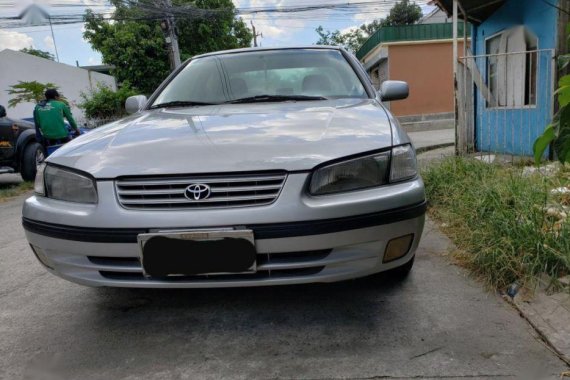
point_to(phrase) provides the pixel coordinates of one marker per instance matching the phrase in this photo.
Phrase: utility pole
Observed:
(255, 34)
(171, 37)
(53, 38)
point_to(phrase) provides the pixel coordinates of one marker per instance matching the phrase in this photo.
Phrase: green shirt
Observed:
(49, 118)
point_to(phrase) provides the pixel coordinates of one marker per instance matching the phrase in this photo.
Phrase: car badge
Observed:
(198, 192)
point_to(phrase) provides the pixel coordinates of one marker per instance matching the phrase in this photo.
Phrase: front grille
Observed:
(300, 264)
(225, 191)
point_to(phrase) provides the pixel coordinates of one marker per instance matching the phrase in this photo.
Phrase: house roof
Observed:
(402, 33)
(477, 10)
(104, 69)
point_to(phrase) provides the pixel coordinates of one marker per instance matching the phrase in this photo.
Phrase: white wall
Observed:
(72, 81)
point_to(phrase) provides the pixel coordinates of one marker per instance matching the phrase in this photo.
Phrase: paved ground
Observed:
(436, 324)
(435, 155)
(423, 140)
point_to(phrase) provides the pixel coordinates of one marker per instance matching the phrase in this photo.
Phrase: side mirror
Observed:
(135, 103)
(394, 90)
(2, 111)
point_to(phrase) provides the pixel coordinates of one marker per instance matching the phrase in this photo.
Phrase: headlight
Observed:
(360, 173)
(39, 184)
(366, 172)
(67, 185)
(404, 165)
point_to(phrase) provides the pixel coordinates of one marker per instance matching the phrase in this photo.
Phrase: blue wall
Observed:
(513, 131)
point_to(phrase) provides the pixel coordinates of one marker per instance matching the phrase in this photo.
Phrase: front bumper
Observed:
(299, 239)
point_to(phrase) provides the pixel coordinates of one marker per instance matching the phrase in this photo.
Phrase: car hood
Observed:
(230, 138)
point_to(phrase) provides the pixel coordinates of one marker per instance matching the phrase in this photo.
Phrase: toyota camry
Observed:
(245, 168)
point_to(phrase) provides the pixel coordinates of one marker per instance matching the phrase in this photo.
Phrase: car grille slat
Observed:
(225, 191)
(210, 180)
(301, 264)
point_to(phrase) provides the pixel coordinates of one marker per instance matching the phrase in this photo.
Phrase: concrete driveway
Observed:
(436, 324)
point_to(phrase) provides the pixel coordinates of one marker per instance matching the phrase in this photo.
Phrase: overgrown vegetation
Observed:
(511, 225)
(104, 104)
(13, 190)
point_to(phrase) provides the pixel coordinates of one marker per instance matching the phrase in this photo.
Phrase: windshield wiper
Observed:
(276, 98)
(180, 103)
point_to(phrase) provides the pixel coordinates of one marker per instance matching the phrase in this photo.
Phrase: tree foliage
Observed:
(557, 134)
(403, 13)
(351, 40)
(135, 44)
(38, 53)
(106, 104)
(28, 92)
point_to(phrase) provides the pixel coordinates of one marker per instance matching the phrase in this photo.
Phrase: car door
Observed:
(7, 141)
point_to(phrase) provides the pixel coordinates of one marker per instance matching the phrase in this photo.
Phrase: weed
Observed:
(12, 190)
(511, 227)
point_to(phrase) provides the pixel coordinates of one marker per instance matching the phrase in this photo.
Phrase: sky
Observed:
(277, 29)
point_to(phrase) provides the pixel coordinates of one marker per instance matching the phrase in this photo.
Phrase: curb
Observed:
(544, 332)
(425, 149)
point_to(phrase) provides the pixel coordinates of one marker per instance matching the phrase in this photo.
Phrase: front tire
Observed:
(32, 157)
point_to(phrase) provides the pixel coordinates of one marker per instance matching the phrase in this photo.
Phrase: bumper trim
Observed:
(262, 231)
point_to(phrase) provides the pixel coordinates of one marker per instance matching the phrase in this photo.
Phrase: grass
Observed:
(509, 227)
(14, 189)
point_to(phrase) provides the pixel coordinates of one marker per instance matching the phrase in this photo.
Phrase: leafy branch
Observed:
(28, 92)
(557, 134)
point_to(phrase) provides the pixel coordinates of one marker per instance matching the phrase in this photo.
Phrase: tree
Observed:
(135, 43)
(403, 13)
(352, 40)
(28, 92)
(38, 53)
(136, 50)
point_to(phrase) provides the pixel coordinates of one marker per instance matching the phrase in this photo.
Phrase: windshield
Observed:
(277, 75)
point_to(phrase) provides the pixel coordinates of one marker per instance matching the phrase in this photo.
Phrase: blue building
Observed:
(506, 82)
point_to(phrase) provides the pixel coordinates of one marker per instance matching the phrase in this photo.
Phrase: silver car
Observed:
(245, 168)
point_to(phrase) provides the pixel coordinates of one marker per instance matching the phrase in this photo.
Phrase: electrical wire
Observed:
(151, 11)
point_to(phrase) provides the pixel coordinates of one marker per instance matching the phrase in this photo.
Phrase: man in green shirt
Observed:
(49, 118)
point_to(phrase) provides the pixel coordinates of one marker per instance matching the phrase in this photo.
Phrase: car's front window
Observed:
(273, 75)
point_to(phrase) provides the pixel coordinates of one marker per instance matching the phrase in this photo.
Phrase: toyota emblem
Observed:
(197, 192)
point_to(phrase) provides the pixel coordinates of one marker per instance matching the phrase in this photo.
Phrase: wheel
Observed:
(33, 156)
(402, 272)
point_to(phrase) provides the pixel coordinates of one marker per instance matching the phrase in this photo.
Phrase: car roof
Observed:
(254, 49)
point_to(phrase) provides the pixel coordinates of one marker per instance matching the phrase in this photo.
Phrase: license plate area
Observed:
(197, 252)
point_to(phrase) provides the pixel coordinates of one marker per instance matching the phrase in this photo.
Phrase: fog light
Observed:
(398, 248)
(42, 257)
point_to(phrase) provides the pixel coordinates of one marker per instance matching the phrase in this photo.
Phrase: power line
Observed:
(302, 12)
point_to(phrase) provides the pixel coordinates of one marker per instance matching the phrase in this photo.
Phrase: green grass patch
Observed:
(12, 190)
(508, 226)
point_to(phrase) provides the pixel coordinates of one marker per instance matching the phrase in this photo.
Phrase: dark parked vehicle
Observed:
(20, 151)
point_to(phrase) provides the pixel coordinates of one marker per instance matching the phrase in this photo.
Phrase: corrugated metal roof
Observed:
(477, 10)
(416, 32)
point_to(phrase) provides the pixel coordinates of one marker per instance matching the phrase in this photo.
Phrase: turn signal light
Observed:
(398, 248)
